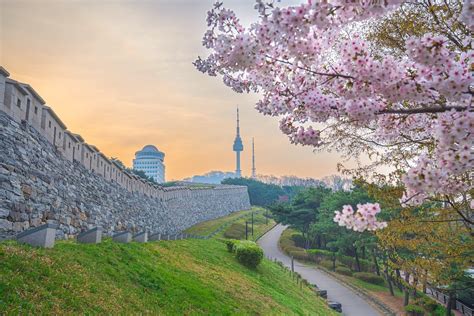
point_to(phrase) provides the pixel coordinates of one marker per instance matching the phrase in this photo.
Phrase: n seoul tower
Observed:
(238, 147)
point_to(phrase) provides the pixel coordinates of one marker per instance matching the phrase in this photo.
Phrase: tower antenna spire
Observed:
(238, 147)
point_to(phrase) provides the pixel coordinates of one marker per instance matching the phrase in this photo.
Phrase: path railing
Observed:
(443, 298)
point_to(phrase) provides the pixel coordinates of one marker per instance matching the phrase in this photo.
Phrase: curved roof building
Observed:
(151, 161)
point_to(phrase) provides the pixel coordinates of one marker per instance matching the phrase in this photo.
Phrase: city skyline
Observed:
(124, 85)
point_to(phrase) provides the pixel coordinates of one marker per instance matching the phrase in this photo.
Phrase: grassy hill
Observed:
(185, 277)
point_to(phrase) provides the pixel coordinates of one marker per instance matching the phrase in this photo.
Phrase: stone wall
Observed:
(37, 184)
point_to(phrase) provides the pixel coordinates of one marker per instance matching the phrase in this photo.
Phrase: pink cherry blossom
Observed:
(364, 218)
(319, 77)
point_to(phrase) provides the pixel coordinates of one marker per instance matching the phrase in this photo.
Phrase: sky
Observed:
(120, 74)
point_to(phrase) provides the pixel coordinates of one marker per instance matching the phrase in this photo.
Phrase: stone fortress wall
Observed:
(49, 173)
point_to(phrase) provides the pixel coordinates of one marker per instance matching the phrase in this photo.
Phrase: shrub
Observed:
(414, 310)
(299, 254)
(429, 304)
(248, 253)
(298, 240)
(235, 231)
(291, 249)
(230, 243)
(327, 264)
(320, 252)
(344, 271)
(369, 278)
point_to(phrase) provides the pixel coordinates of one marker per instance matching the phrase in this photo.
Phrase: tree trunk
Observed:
(399, 278)
(425, 280)
(387, 276)
(357, 259)
(390, 285)
(415, 283)
(450, 304)
(334, 261)
(377, 269)
(318, 241)
(406, 298)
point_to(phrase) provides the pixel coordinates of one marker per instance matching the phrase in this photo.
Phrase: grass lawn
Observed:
(208, 227)
(261, 225)
(234, 224)
(184, 277)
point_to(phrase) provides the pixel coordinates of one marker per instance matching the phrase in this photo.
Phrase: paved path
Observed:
(352, 304)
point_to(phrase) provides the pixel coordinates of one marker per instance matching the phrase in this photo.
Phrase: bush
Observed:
(327, 264)
(429, 304)
(248, 253)
(344, 271)
(369, 278)
(414, 310)
(299, 255)
(298, 240)
(291, 249)
(235, 231)
(230, 243)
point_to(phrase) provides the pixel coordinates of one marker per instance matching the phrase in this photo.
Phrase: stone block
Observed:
(335, 306)
(122, 237)
(41, 236)
(141, 237)
(5, 224)
(4, 212)
(91, 236)
(322, 293)
(154, 237)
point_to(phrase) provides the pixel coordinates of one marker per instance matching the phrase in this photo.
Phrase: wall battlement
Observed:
(50, 173)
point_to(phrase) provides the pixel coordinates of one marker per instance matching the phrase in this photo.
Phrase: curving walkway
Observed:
(352, 304)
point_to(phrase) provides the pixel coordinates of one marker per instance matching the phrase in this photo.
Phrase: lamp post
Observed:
(246, 230)
(252, 224)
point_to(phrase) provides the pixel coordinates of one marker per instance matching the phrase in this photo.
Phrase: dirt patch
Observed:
(395, 303)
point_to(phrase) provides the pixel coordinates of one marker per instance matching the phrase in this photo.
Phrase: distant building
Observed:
(151, 161)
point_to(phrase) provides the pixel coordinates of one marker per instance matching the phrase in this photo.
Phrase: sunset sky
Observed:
(120, 74)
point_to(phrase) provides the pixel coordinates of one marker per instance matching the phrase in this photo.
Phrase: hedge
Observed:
(344, 271)
(326, 263)
(299, 255)
(414, 310)
(230, 243)
(248, 253)
(370, 278)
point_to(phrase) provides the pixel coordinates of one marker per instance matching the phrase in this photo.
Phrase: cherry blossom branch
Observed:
(424, 110)
(332, 75)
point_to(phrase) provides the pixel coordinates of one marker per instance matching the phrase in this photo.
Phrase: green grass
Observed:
(185, 277)
(208, 227)
(260, 226)
(234, 225)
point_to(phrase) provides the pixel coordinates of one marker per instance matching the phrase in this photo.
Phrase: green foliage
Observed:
(370, 278)
(414, 310)
(299, 255)
(208, 227)
(327, 264)
(230, 243)
(185, 277)
(260, 193)
(344, 271)
(235, 231)
(248, 253)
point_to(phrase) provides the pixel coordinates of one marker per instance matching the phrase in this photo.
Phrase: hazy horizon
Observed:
(120, 74)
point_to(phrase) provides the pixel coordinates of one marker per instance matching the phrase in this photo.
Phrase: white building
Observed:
(151, 161)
